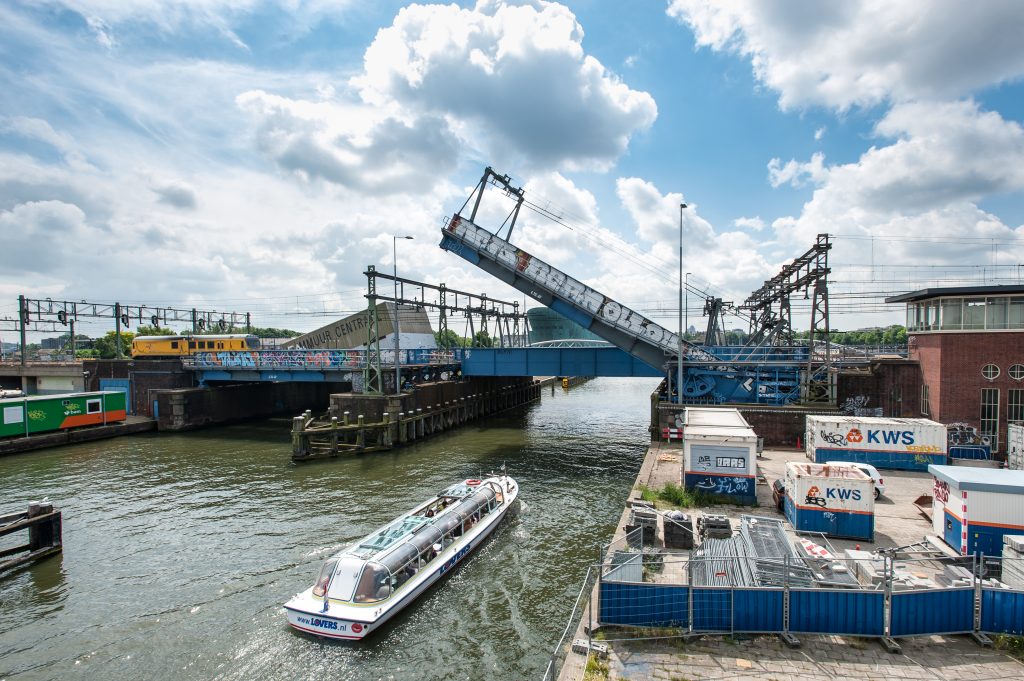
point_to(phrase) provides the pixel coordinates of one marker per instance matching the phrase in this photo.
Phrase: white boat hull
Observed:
(350, 622)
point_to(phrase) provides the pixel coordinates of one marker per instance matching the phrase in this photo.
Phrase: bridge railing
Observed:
(316, 359)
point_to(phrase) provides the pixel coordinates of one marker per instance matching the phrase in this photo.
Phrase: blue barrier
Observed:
(712, 609)
(757, 610)
(652, 605)
(826, 611)
(948, 611)
(1002, 612)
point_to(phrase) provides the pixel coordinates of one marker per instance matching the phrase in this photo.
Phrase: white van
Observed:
(869, 470)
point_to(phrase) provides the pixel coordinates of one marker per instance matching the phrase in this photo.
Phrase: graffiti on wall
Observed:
(722, 484)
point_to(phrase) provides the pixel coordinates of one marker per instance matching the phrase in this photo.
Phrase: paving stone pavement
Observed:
(948, 658)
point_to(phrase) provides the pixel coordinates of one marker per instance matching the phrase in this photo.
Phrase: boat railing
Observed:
(384, 574)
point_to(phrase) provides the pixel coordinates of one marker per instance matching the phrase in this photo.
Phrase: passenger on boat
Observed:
(429, 513)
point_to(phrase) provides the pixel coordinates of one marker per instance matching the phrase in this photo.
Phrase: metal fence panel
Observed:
(712, 609)
(651, 605)
(947, 611)
(1002, 611)
(757, 610)
(827, 611)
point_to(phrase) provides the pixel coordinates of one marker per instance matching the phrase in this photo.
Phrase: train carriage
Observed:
(178, 346)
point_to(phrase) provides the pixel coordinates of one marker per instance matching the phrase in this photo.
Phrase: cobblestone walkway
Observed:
(955, 658)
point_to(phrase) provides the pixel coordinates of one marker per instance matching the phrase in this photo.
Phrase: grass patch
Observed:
(680, 497)
(596, 670)
(1011, 645)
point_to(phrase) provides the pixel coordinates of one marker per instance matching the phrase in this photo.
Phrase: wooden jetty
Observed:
(314, 438)
(43, 523)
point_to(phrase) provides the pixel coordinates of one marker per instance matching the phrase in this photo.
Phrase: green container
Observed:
(44, 413)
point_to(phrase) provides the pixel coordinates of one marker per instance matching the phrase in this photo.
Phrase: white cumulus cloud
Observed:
(865, 52)
(514, 80)
(942, 160)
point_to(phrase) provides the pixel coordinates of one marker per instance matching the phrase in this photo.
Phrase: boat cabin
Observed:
(376, 567)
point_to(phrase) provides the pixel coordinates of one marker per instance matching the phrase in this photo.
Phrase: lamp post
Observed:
(679, 361)
(398, 323)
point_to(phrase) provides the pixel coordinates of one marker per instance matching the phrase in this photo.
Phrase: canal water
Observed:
(180, 549)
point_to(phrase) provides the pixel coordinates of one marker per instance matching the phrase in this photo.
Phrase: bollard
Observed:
(419, 423)
(298, 440)
(334, 436)
(388, 440)
(361, 434)
(402, 432)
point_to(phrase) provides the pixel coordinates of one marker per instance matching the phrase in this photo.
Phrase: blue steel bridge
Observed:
(771, 368)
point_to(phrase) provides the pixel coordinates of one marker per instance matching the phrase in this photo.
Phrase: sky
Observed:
(252, 155)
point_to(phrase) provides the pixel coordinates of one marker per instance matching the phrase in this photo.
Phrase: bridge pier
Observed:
(388, 421)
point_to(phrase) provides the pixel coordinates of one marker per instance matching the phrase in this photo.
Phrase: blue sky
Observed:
(256, 155)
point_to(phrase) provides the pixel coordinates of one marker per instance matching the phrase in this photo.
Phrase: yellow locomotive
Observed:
(176, 346)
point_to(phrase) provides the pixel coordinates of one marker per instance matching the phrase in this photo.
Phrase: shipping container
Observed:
(1015, 446)
(974, 508)
(836, 500)
(719, 453)
(43, 413)
(898, 444)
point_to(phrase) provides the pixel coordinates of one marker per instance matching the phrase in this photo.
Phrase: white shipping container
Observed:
(831, 488)
(720, 450)
(1015, 447)
(863, 433)
(986, 503)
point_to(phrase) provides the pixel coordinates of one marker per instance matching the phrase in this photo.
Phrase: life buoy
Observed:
(473, 483)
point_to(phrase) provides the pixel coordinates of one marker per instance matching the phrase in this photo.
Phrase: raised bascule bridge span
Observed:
(770, 369)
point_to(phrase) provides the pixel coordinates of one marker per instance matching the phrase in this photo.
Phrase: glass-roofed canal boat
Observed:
(362, 586)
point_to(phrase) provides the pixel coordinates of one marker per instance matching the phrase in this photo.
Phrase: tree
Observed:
(146, 330)
(482, 339)
(448, 340)
(106, 346)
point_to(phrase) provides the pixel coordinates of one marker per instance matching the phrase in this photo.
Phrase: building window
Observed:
(952, 314)
(1015, 406)
(1015, 314)
(925, 408)
(990, 416)
(990, 372)
(974, 313)
(1017, 372)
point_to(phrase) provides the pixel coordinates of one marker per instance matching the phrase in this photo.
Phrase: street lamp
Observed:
(398, 323)
(679, 362)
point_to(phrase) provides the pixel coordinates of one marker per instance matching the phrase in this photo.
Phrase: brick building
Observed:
(969, 342)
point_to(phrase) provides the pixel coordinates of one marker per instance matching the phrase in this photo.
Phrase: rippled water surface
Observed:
(180, 549)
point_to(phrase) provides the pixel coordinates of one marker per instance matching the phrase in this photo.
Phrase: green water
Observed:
(180, 549)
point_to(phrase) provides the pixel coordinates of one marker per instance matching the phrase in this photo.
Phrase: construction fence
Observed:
(885, 597)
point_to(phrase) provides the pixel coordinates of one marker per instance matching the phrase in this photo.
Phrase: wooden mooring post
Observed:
(43, 523)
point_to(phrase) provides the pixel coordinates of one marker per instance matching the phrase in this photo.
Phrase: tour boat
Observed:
(362, 586)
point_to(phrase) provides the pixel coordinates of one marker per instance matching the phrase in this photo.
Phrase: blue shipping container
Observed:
(844, 525)
(899, 461)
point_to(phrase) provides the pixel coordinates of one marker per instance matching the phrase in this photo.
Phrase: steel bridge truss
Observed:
(482, 315)
(771, 315)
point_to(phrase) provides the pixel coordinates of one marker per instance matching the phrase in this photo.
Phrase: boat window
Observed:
(457, 491)
(345, 577)
(396, 560)
(326, 572)
(447, 523)
(425, 538)
(392, 533)
(374, 585)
